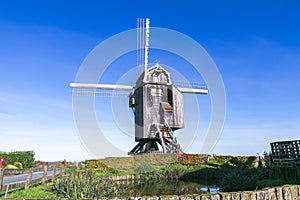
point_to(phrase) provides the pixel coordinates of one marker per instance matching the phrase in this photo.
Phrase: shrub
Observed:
(132, 162)
(96, 164)
(270, 183)
(244, 161)
(18, 165)
(238, 161)
(84, 184)
(192, 159)
(9, 166)
(145, 169)
(239, 180)
(25, 157)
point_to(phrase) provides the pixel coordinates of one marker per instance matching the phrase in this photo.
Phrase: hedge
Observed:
(132, 162)
(24, 157)
(192, 159)
(239, 161)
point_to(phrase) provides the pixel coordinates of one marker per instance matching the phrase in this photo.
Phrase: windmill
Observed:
(156, 102)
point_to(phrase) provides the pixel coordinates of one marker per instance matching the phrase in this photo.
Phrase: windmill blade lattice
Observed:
(187, 84)
(100, 92)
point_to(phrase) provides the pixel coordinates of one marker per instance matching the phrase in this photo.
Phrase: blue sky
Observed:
(255, 44)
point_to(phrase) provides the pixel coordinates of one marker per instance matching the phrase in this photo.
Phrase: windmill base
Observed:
(151, 145)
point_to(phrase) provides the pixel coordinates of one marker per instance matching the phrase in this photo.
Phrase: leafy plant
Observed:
(132, 162)
(25, 157)
(238, 161)
(19, 165)
(270, 183)
(240, 179)
(145, 169)
(9, 166)
(84, 184)
(192, 159)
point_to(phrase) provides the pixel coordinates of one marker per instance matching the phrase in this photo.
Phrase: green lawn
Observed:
(38, 192)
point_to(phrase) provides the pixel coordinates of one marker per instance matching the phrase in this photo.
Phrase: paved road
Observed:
(23, 177)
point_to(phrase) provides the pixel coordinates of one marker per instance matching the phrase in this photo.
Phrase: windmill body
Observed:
(158, 110)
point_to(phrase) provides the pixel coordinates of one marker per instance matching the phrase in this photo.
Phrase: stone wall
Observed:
(278, 193)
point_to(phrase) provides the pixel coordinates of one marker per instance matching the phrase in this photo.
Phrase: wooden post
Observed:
(44, 175)
(28, 179)
(61, 170)
(1, 177)
(54, 173)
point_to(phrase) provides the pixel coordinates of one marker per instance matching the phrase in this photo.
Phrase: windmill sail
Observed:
(100, 90)
(191, 87)
(142, 44)
(100, 93)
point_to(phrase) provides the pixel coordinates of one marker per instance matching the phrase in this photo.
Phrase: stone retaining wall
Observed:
(278, 193)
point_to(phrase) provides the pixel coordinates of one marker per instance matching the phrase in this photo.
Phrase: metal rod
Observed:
(6, 191)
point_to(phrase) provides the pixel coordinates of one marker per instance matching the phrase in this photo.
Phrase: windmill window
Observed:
(155, 78)
(156, 92)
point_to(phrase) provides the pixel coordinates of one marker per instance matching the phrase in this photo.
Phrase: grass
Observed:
(39, 192)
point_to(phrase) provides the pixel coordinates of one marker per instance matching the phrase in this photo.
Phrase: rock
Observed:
(236, 196)
(262, 195)
(150, 198)
(248, 196)
(272, 194)
(167, 197)
(279, 193)
(186, 198)
(286, 193)
(197, 198)
(294, 192)
(225, 196)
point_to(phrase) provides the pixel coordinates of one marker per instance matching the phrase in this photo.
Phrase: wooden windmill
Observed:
(156, 102)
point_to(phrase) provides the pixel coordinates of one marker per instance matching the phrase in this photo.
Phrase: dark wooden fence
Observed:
(26, 183)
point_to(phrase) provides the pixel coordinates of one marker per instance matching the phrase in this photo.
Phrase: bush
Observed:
(18, 165)
(238, 161)
(244, 161)
(9, 166)
(270, 183)
(239, 180)
(96, 164)
(206, 176)
(24, 157)
(192, 159)
(222, 160)
(84, 184)
(145, 169)
(132, 162)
